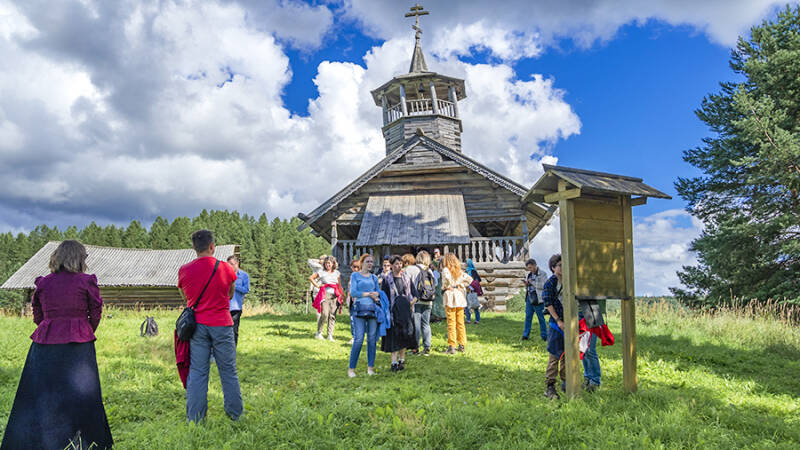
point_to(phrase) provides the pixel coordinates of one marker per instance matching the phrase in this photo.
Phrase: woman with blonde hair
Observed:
(454, 285)
(59, 403)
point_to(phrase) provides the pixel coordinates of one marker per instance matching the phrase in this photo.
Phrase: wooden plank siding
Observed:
(600, 249)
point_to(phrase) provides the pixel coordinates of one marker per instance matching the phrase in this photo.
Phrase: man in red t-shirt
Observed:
(214, 328)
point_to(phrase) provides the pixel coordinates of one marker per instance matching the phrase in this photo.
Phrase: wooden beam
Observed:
(629, 374)
(569, 283)
(638, 201)
(562, 195)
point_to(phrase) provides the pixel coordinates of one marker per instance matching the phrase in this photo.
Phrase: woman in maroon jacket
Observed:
(58, 402)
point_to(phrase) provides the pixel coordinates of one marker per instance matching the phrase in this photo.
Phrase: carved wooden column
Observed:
(451, 94)
(385, 108)
(434, 101)
(526, 245)
(403, 101)
(334, 239)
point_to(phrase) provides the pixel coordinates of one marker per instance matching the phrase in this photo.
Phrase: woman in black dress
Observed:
(58, 403)
(402, 335)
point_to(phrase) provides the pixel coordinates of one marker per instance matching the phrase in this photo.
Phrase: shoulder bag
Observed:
(472, 300)
(187, 323)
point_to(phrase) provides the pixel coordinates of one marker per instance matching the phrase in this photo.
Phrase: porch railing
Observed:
(480, 249)
(421, 107)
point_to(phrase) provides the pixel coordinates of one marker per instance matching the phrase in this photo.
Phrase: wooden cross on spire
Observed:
(417, 11)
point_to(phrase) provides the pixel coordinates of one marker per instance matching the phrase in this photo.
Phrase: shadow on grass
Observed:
(757, 365)
(441, 378)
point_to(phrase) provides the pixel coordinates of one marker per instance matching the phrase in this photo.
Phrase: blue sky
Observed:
(112, 112)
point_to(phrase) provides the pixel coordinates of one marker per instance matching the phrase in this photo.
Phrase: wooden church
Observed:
(427, 194)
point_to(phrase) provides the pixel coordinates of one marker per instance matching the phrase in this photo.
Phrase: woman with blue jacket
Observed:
(367, 308)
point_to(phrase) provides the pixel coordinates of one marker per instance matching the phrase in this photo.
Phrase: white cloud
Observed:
(168, 108)
(516, 29)
(661, 247)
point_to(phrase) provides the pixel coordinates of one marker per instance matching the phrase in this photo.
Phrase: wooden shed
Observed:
(426, 193)
(595, 210)
(126, 276)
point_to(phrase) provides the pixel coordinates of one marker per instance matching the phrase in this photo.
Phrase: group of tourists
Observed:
(55, 408)
(397, 304)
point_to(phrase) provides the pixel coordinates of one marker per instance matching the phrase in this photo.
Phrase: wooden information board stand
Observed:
(595, 211)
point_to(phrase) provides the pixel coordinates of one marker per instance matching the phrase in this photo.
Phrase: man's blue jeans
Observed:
(220, 340)
(422, 320)
(361, 326)
(529, 311)
(591, 362)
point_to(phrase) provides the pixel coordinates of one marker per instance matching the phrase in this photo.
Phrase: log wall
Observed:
(500, 282)
(444, 129)
(146, 297)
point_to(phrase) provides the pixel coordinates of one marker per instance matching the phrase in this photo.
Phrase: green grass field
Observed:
(704, 381)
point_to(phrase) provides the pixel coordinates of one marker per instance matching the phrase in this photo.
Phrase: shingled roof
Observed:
(117, 266)
(590, 182)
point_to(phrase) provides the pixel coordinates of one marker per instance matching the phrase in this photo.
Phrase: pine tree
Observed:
(179, 233)
(159, 233)
(135, 236)
(749, 194)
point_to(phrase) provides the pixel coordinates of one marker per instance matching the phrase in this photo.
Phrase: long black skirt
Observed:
(58, 402)
(402, 334)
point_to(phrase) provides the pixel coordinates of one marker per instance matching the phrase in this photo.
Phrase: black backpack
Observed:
(426, 286)
(149, 327)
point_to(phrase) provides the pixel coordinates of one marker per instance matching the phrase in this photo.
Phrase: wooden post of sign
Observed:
(569, 285)
(629, 377)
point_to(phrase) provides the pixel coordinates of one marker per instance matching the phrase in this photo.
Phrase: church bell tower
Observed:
(420, 100)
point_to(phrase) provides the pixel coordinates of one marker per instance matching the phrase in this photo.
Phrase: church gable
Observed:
(422, 166)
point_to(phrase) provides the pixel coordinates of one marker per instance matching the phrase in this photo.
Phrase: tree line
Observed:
(273, 252)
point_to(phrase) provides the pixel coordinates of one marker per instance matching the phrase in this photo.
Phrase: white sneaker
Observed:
(351, 373)
(370, 371)
(330, 338)
(318, 336)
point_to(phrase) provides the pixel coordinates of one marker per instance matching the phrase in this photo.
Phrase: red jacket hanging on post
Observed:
(584, 334)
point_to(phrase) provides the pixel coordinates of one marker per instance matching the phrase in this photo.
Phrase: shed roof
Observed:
(117, 266)
(414, 219)
(590, 182)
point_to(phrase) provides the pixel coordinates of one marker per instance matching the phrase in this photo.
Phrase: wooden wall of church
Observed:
(444, 129)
